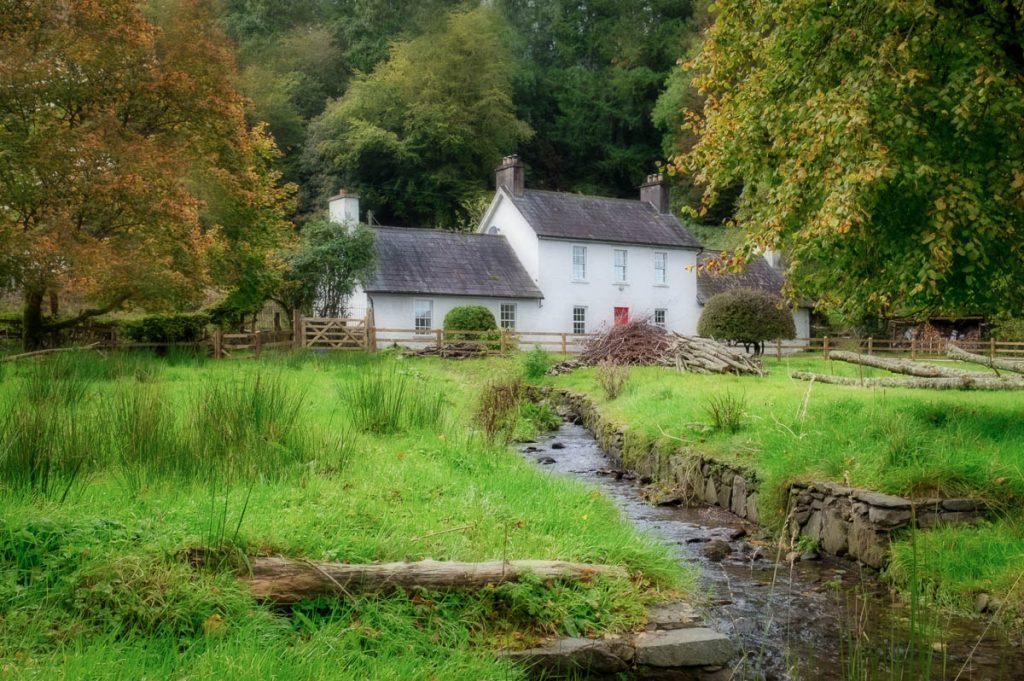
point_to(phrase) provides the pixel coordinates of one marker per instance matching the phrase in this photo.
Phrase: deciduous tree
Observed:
(116, 134)
(880, 143)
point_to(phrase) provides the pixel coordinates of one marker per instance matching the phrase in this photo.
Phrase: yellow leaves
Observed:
(1018, 180)
(940, 204)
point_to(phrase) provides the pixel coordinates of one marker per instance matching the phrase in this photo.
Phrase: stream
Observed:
(788, 622)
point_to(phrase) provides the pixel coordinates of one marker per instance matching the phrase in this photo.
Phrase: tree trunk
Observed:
(900, 366)
(33, 329)
(977, 382)
(285, 581)
(1014, 366)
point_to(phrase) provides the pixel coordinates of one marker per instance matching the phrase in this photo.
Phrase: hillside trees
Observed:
(420, 135)
(881, 143)
(127, 173)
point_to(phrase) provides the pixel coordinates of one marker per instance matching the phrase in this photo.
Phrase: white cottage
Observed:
(545, 261)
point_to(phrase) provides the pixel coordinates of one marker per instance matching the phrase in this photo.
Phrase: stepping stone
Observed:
(694, 647)
(668, 616)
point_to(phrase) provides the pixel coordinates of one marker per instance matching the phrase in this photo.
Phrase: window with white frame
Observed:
(579, 319)
(423, 312)
(659, 317)
(620, 266)
(508, 316)
(660, 267)
(579, 263)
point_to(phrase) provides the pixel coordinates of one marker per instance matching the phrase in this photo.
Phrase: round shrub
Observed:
(470, 318)
(746, 316)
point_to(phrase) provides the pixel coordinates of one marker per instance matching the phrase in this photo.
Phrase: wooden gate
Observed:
(341, 333)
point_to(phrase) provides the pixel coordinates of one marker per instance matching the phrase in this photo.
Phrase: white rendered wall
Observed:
(510, 224)
(396, 311)
(600, 293)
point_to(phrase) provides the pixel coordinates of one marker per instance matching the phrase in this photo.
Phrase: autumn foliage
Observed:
(128, 174)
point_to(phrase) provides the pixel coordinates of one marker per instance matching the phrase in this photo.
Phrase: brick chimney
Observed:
(510, 175)
(344, 208)
(655, 192)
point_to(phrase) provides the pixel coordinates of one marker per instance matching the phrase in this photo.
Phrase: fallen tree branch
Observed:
(285, 581)
(49, 351)
(978, 382)
(906, 367)
(1014, 366)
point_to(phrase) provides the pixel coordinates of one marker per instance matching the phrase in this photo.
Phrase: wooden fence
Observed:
(912, 348)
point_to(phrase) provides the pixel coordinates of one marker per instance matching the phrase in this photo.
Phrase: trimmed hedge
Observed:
(746, 316)
(189, 327)
(470, 318)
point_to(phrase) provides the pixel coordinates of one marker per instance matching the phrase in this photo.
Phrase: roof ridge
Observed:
(590, 196)
(434, 230)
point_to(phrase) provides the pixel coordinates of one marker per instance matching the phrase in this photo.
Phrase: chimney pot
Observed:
(655, 192)
(510, 175)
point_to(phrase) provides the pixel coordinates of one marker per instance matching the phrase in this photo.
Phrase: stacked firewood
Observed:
(708, 356)
(452, 350)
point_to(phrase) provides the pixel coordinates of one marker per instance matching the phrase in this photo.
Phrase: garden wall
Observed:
(843, 521)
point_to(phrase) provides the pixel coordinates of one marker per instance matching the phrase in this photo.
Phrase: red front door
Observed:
(621, 316)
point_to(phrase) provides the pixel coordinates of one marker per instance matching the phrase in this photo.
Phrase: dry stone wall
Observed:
(843, 521)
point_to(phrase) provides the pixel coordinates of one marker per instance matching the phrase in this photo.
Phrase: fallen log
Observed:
(906, 367)
(985, 382)
(50, 351)
(285, 581)
(1013, 366)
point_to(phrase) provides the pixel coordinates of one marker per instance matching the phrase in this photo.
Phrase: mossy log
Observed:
(904, 366)
(975, 382)
(1013, 366)
(285, 581)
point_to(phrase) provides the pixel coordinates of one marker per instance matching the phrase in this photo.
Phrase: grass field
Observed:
(111, 468)
(908, 442)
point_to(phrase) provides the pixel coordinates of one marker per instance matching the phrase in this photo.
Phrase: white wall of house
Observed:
(802, 320)
(600, 292)
(502, 217)
(398, 311)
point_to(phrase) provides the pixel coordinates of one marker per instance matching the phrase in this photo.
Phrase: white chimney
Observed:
(344, 208)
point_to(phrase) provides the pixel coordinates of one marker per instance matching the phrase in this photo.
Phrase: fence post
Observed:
(824, 347)
(778, 348)
(257, 344)
(297, 340)
(218, 343)
(871, 344)
(502, 349)
(992, 347)
(565, 345)
(913, 348)
(440, 341)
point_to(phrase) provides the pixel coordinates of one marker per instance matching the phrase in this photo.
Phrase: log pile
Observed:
(708, 356)
(453, 350)
(921, 375)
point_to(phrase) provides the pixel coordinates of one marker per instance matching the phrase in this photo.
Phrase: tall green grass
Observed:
(386, 398)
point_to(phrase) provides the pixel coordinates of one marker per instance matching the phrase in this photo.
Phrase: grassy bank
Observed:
(111, 469)
(907, 442)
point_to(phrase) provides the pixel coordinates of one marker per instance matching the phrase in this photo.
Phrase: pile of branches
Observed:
(640, 343)
(708, 356)
(453, 350)
(636, 343)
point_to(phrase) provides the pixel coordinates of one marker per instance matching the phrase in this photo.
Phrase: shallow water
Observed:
(789, 622)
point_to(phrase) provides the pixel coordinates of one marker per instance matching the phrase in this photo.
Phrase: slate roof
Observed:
(429, 261)
(758, 275)
(558, 215)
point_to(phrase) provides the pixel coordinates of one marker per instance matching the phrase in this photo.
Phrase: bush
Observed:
(470, 318)
(1009, 330)
(612, 378)
(746, 316)
(536, 363)
(168, 328)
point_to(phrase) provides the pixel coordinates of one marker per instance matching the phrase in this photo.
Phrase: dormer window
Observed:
(620, 265)
(579, 263)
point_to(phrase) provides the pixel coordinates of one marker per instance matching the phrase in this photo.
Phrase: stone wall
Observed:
(843, 521)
